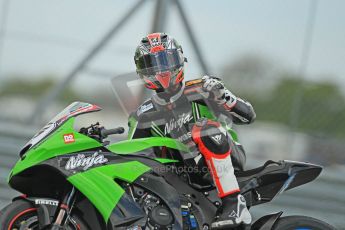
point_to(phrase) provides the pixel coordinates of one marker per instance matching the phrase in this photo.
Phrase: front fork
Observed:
(65, 210)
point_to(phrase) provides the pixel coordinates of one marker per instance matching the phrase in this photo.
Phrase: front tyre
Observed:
(301, 223)
(22, 215)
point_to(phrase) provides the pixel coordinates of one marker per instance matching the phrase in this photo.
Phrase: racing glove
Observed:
(222, 95)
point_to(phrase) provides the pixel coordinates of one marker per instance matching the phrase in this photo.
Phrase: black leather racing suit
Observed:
(174, 119)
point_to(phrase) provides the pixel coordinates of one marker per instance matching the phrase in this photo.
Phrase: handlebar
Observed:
(106, 132)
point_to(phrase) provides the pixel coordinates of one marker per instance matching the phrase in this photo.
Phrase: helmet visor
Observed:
(167, 60)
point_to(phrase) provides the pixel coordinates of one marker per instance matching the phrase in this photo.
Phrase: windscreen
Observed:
(74, 109)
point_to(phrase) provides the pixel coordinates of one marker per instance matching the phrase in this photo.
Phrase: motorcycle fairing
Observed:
(261, 185)
(54, 146)
(98, 184)
(49, 151)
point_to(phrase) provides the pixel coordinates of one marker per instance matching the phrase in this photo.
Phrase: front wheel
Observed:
(301, 223)
(22, 215)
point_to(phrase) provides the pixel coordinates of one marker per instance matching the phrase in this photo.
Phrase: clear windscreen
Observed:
(73, 110)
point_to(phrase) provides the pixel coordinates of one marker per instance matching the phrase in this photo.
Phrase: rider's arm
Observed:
(241, 111)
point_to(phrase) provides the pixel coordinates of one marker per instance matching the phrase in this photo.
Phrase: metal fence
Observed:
(323, 199)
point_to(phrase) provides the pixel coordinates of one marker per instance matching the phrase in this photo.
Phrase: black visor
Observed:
(160, 61)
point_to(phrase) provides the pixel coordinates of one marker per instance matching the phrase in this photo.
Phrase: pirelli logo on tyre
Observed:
(68, 138)
(47, 202)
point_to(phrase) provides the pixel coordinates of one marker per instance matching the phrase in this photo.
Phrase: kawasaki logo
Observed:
(177, 124)
(86, 162)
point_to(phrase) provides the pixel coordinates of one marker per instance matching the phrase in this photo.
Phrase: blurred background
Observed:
(285, 57)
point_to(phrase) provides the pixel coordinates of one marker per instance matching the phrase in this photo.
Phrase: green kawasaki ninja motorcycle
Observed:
(78, 181)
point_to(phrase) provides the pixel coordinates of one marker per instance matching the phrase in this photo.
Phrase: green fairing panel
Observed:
(137, 145)
(54, 146)
(165, 160)
(205, 112)
(99, 187)
(233, 134)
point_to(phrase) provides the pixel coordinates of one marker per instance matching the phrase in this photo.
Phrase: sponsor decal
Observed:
(68, 138)
(85, 162)
(185, 137)
(144, 108)
(47, 202)
(177, 124)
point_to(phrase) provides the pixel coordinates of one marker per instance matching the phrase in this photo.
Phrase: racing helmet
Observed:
(159, 62)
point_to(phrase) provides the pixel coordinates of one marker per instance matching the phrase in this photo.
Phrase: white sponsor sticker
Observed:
(144, 108)
(47, 202)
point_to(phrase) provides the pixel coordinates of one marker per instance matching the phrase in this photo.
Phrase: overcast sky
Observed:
(52, 36)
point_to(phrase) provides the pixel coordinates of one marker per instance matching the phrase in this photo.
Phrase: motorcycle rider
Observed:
(196, 113)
